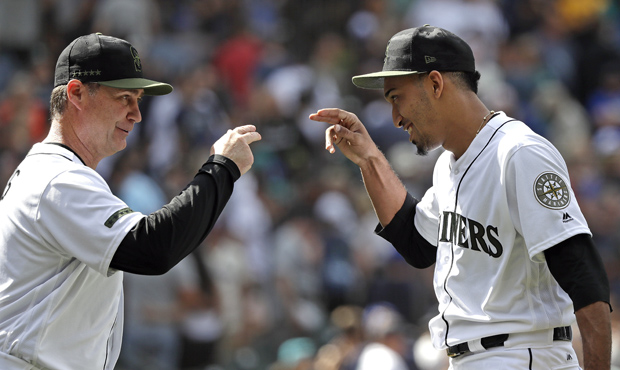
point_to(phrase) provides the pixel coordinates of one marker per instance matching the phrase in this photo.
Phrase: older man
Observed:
(65, 239)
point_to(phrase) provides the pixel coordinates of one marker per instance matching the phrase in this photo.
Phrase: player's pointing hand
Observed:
(347, 133)
(235, 145)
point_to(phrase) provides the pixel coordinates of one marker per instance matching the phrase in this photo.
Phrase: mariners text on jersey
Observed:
(468, 233)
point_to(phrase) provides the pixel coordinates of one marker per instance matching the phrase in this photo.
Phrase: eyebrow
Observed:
(137, 92)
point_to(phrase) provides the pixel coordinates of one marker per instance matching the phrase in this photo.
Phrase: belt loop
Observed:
(475, 345)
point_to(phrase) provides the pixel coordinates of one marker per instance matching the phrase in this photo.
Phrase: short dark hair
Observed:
(466, 80)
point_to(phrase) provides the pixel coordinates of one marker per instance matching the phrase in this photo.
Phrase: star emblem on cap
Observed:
(91, 72)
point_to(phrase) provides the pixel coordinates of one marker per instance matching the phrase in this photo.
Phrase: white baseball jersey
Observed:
(61, 306)
(492, 213)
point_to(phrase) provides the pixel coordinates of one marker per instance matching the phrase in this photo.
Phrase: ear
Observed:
(437, 82)
(76, 92)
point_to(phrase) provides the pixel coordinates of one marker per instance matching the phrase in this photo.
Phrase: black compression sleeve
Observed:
(578, 268)
(406, 239)
(163, 238)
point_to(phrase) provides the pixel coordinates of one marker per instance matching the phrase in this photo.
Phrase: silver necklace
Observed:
(484, 119)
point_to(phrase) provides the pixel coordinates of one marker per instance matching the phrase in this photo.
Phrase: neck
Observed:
(464, 125)
(62, 133)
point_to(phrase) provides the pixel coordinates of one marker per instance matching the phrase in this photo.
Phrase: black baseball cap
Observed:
(419, 50)
(107, 60)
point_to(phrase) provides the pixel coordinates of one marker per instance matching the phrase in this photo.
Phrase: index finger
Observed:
(329, 115)
(244, 129)
(250, 137)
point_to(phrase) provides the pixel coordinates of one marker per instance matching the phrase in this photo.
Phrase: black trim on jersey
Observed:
(578, 268)
(406, 239)
(162, 239)
(69, 149)
(58, 154)
(456, 202)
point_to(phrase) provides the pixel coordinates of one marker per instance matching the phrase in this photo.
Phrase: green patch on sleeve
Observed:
(116, 216)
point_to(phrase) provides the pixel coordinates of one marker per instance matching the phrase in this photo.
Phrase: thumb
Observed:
(335, 135)
(343, 132)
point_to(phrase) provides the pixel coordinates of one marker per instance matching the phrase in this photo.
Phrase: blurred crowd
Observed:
(293, 277)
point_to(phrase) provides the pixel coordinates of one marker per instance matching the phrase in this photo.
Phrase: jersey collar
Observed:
(56, 149)
(480, 141)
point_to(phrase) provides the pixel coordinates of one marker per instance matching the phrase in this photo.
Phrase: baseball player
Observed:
(65, 239)
(514, 261)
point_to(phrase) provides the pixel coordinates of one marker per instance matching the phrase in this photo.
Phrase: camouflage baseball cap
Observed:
(107, 60)
(419, 50)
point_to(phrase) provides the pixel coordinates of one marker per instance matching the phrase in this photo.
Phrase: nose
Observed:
(397, 119)
(134, 113)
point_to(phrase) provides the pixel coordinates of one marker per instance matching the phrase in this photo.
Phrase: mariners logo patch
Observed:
(136, 59)
(551, 191)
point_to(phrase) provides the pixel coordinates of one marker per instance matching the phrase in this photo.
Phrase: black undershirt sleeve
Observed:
(162, 239)
(406, 239)
(577, 266)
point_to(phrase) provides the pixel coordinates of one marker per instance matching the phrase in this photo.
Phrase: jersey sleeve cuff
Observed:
(400, 220)
(227, 163)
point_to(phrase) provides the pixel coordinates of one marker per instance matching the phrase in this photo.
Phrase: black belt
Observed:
(564, 333)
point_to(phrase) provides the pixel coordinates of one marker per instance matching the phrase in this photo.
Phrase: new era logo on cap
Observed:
(106, 60)
(429, 59)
